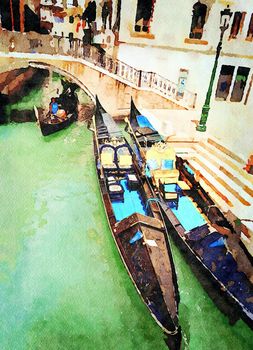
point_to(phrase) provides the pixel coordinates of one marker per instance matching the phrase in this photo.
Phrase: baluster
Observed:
(120, 69)
(144, 79)
(131, 74)
(126, 72)
(160, 84)
(150, 79)
(140, 78)
(174, 90)
(136, 77)
(116, 68)
(164, 86)
(169, 89)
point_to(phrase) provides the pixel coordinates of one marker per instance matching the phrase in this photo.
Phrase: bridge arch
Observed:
(47, 66)
(114, 94)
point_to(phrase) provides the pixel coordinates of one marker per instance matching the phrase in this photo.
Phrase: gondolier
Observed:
(53, 106)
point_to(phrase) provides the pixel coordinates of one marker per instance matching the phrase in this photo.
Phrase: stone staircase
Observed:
(220, 172)
(225, 170)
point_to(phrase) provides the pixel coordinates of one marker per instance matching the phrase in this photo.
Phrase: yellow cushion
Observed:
(106, 158)
(165, 176)
(169, 195)
(125, 160)
(161, 152)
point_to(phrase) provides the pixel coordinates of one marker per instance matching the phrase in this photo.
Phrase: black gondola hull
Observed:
(227, 303)
(48, 129)
(138, 262)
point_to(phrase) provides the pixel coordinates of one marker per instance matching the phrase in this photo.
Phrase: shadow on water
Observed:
(59, 135)
(185, 324)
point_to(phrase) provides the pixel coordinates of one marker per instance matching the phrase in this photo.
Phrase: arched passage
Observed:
(25, 80)
(69, 75)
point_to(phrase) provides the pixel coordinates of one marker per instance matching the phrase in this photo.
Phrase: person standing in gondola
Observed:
(53, 106)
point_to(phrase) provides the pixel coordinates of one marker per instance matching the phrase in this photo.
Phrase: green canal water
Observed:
(62, 283)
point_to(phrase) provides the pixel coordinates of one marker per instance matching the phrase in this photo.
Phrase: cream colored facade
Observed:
(65, 26)
(166, 49)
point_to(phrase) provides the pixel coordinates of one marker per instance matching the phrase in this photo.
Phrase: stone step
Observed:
(216, 192)
(220, 187)
(226, 169)
(226, 151)
(226, 159)
(221, 174)
(223, 180)
(184, 149)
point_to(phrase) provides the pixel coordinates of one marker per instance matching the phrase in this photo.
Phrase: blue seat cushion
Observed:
(170, 188)
(167, 164)
(144, 122)
(152, 164)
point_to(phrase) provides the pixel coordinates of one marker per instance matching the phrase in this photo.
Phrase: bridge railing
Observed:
(36, 43)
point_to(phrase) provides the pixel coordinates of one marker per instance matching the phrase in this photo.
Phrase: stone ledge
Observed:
(195, 41)
(221, 181)
(142, 35)
(226, 151)
(230, 173)
(217, 153)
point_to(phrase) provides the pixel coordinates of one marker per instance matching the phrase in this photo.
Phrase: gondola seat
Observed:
(132, 182)
(108, 158)
(161, 162)
(116, 191)
(145, 131)
(124, 159)
(165, 176)
(111, 180)
(170, 193)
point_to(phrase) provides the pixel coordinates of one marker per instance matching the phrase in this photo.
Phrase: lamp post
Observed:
(225, 16)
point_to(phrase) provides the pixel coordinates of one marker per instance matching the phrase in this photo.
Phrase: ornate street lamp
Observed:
(225, 17)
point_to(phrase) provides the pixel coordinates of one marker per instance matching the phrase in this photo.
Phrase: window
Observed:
(198, 20)
(250, 30)
(199, 17)
(224, 82)
(237, 24)
(239, 84)
(144, 14)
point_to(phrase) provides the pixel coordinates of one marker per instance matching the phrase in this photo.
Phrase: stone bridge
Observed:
(114, 94)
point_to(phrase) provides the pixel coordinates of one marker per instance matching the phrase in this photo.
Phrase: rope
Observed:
(152, 200)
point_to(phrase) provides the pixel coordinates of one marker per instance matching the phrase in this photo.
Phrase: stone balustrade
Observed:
(55, 45)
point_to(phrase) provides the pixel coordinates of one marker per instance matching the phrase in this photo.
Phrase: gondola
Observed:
(137, 225)
(145, 134)
(198, 227)
(50, 123)
(61, 114)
